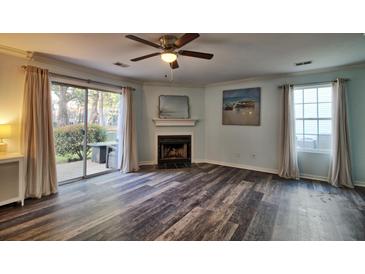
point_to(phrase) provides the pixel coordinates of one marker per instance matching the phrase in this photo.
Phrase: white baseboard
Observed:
(313, 177)
(242, 166)
(359, 183)
(145, 163)
(256, 168)
(267, 170)
(325, 179)
(197, 161)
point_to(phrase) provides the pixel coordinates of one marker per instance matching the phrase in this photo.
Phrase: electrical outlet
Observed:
(253, 156)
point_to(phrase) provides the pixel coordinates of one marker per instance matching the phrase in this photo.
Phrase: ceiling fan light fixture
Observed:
(168, 57)
(169, 44)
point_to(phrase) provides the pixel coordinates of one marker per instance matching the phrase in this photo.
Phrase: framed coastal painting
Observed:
(241, 107)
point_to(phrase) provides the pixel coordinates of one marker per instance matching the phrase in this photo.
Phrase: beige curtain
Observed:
(288, 165)
(37, 135)
(340, 169)
(129, 161)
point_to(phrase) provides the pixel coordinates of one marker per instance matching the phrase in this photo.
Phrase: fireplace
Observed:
(174, 151)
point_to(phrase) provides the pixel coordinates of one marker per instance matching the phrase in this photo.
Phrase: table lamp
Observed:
(5, 133)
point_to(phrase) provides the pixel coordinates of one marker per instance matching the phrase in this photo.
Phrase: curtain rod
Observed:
(315, 83)
(85, 80)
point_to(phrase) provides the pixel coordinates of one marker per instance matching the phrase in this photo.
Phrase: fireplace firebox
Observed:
(174, 151)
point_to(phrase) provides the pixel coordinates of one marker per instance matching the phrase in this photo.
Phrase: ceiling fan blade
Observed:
(145, 56)
(186, 38)
(174, 65)
(135, 38)
(196, 54)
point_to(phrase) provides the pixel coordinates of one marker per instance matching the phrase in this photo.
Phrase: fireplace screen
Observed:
(177, 151)
(174, 150)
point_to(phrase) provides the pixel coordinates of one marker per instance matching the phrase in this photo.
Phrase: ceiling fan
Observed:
(169, 45)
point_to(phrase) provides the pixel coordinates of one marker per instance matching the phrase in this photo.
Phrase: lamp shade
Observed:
(5, 131)
(168, 57)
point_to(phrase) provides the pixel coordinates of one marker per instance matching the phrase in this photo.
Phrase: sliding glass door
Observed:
(102, 146)
(68, 116)
(85, 124)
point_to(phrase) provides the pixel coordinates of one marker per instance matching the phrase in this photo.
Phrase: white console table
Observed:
(11, 178)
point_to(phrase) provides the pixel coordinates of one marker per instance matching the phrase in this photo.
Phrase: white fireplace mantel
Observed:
(174, 122)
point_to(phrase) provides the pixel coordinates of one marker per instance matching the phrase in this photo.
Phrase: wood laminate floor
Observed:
(205, 202)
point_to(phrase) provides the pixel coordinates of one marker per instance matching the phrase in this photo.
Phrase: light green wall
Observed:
(149, 110)
(356, 110)
(229, 144)
(12, 79)
(11, 93)
(236, 144)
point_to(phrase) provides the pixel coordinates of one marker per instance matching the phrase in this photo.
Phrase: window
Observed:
(313, 117)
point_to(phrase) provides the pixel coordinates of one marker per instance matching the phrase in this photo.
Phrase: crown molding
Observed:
(170, 84)
(357, 65)
(46, 59)
(16, 52)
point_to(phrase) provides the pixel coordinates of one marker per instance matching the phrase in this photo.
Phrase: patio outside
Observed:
(69, 105)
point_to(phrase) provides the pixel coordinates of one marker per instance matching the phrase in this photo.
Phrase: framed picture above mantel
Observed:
(241, 107)
(174, 107)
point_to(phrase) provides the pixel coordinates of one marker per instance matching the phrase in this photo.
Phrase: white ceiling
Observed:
(236, 56)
